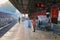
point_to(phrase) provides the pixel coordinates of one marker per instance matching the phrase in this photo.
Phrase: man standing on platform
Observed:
(19, 19)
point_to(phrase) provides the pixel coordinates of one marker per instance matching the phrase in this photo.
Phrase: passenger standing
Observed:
(34, 25)
(29, 23)
(19, 19)
(39, 24)
(26, 23)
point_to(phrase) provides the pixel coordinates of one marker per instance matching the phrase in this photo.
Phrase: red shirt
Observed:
(34, 24)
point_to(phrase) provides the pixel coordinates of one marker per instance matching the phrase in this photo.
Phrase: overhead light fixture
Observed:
(40, 5)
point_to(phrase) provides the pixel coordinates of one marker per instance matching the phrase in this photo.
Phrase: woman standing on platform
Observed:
(34, 24)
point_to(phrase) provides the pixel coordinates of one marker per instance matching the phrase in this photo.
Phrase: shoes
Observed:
(33, 31)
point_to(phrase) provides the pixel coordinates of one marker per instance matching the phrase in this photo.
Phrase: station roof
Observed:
(29, 6)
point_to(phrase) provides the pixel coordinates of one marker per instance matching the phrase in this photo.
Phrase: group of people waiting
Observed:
(36, 23)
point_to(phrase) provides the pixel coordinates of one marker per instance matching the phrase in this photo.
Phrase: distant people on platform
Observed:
(34, 24)
(29, 23)
(42, 21)
(19, 19)
(26, 23)
(48, 17)
(38, 24)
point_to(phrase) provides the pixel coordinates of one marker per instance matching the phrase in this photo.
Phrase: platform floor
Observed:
(18, 32)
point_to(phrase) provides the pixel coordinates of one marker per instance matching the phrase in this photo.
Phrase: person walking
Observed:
(19, 19)
(34, 25)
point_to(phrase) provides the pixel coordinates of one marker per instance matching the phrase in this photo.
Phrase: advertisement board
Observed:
(54, 12)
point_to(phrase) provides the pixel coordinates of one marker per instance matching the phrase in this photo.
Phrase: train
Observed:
(5, 19)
